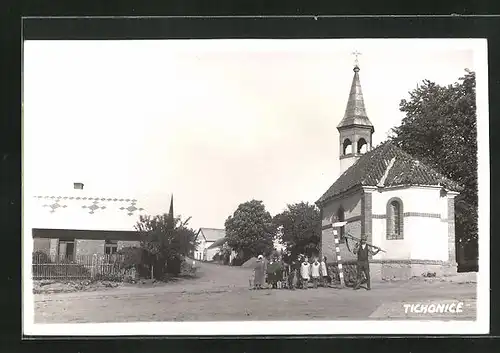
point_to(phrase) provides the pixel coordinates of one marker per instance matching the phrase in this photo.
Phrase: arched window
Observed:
(341, 218)
(347, 147)
(395, 220)
(362, 146)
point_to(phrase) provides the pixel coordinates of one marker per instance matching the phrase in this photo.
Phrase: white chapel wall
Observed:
(425, 224)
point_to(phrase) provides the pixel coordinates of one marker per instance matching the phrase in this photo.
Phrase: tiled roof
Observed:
(355, 112)
(84, 211)
(213, 234)
(387, 165)
(92, 204)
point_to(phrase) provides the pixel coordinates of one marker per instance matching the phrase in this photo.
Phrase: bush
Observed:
(110, 277)
(174, 265)
(132, 257)
(187, 269)
(137, 259)
(41, 257)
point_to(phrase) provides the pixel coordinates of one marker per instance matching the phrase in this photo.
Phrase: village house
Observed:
(80, 223)
(205, 243)
(397, 202)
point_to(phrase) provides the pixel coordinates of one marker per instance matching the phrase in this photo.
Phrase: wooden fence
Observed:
(79, 267)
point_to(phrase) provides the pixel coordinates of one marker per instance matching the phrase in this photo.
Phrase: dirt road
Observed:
(221, 293)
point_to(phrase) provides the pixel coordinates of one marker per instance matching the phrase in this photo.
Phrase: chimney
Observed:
(78, 186)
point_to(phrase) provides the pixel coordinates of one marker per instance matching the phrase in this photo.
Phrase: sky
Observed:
(215, 122)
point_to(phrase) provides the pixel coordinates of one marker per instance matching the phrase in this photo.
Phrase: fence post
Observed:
(93, 265)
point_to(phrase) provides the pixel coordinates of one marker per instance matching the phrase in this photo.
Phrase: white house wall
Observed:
(211, 252)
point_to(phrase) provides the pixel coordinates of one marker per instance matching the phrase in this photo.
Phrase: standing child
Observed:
(315, 269)
(324, 272)
(305, 273)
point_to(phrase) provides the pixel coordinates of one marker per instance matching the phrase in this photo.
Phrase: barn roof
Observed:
(84, 211)
(218, 243)
(385, 166)
(212, 234)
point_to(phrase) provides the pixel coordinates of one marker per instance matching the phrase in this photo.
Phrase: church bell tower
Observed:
(355, 129)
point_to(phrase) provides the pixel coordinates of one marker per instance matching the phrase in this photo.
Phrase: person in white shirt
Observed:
(315, 268)
(305, 272)
(324, 272)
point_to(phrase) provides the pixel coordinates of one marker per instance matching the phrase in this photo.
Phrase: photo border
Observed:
(93, 30)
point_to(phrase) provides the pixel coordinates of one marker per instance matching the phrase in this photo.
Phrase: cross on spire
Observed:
(356, 54)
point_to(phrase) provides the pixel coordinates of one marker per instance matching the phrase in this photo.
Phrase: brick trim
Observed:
(403, 261)
(452, 257)
(363, 216)
(420, 214)
(410, 214)
(366, 216)
(327, 226)
(349, 220)
(367, 219)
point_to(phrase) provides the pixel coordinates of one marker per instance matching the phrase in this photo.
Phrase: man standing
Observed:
(363, 250)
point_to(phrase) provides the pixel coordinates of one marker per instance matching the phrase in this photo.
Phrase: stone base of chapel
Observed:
(386, 270)
(406, 269)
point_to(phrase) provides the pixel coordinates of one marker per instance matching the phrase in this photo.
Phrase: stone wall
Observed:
(393, 270)
(452, 257)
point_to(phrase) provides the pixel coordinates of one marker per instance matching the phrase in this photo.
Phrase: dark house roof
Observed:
(387, 165)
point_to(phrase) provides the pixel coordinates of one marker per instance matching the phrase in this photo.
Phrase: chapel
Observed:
(400, 204)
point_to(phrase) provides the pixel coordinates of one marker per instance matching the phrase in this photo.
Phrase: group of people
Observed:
(298, 273)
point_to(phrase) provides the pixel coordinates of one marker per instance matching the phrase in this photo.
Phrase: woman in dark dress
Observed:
(259, 272)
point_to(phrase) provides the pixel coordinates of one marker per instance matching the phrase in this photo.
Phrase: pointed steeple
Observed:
(355, 129)
(171, 219)
(355, 112)
(171, 210)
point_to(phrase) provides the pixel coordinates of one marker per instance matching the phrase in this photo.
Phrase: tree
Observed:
(250, 230)
(300, 227)
(165, 240)
(440, 129)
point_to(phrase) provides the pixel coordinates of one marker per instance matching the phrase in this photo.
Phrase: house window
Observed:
(110, 247)
(66, 249)
(395, 219)
(341, 218)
